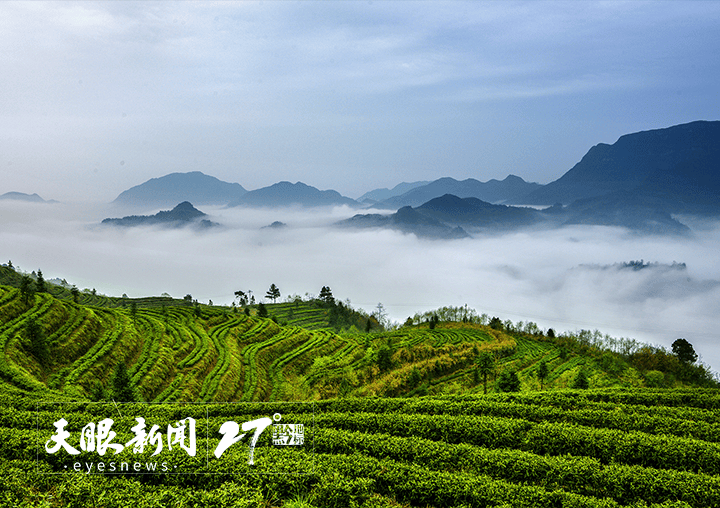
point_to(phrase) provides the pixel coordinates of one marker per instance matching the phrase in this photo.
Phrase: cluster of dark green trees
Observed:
(246, 298)
(36, 341)
(30, 285)
(340, 315)
(509, 381)
(659, 367)
(121, 387)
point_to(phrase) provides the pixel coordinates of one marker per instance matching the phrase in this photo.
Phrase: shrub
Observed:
(581, 381)
(509, 382)
(655, 379)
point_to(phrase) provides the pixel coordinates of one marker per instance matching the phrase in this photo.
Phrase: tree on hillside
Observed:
(27, 289)
(326, 295)
(10, 265)
(581, 381)
(415, 377)
(496, 323)
(509, 381)
(273, 293)
(380, 315)
(242, 298)
(133, 310)
(262, 310)
(654, 379)
(563, 353)
(684, 351)
(40, 282)
(485, 367)
(384, 359)
(542, 373)
(75, 292)
(36, 341)
(123, 390)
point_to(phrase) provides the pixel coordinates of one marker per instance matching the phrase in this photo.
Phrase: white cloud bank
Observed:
(555, 278)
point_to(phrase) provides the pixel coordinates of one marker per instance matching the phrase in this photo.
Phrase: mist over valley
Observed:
(432, 253)
(628, 249)
(571, 278)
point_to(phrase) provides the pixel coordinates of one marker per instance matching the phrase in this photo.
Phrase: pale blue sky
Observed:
(97, 97)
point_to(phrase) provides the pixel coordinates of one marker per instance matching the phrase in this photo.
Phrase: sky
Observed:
(96, 97)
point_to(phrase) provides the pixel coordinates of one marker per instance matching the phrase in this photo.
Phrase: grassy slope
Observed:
(181, 353)
(555, 447)
(599, 448)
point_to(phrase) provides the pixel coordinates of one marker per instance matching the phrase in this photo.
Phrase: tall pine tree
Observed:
(485, 367)
(273, 293)
(37, 342)
(542, 373)
(123, 390)
(40, 282)
(27, 289)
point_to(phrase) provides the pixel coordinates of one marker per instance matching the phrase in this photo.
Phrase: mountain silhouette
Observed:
(20, 196)
(168, 190)
(377, 195)
(288, 194)
(406, 220)
(476, 213)
(679, 166)
(182, 215)
(492, 191)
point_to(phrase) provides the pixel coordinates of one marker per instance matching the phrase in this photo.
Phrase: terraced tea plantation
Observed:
(389, 418)
(597, 448)
(204, 354)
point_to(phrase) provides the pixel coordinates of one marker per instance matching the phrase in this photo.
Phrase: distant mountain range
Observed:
(184, 214)
(493, 191)
(20, 196)
(407, 220)
(678, 166)
(174, 188)
(202, 189)
(377, 195)
(450, 217)
(288, 194)
(639, 182)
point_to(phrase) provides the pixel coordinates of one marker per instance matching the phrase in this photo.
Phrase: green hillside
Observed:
(599, 448)
(393, 418)
(181, 353)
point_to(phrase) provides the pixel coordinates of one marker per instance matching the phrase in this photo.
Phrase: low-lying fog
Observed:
(562, 279)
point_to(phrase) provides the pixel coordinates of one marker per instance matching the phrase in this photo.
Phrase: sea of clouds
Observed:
(568, 279)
